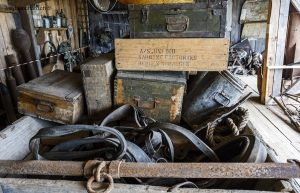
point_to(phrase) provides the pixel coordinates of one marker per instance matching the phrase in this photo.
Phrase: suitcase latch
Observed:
(145, 14)
(137, 102)
(177, 23)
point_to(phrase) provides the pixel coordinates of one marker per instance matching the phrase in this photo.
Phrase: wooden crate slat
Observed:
(182, 54)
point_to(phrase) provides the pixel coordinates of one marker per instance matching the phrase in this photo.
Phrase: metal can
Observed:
(46, 22)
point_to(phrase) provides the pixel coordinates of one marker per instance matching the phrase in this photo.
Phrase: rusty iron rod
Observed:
(156, 170)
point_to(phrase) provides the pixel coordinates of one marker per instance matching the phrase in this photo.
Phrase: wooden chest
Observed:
(146, 2)
(167, 54)
(97, 74)
(158, 94)
(201, 19)
(57, 96)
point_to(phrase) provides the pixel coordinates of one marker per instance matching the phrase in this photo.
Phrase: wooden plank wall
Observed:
(7, 23)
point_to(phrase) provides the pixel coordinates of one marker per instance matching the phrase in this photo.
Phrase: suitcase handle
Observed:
(137, 100)
(222, 98)
(45, 106)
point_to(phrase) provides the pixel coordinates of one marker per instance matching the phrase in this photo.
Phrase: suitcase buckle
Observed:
(177, 23)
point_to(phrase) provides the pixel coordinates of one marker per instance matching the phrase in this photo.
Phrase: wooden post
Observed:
(275, 41)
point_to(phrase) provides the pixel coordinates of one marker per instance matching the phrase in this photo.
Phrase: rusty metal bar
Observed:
(155, 170)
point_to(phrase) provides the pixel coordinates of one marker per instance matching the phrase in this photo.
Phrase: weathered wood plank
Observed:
(183, 54)
(280, 51)
(58, 186)
(228, 28)
(271, 47)
(14, 140)
(98, 74)
(276, 116)
(254, 11)
(296, 4)
(254, 30)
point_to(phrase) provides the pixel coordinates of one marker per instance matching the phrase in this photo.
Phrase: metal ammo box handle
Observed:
(137, 103)
(45, 106)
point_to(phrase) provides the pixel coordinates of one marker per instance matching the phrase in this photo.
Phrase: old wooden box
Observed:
(14, 145)
(201, 19)
(206, 54)
(57, 96)
(158, 94)
(147, 2)
(97, 74)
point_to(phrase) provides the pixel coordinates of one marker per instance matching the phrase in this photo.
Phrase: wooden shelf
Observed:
(22, 3)
(51, 29)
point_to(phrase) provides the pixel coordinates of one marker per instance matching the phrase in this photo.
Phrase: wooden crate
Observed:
(97, 75)
(144, 90)
(143, 2)
(57, 96)
(14, 145)
(182, 54)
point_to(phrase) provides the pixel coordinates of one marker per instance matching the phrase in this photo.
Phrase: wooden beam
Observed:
(281, 42)
(275, 47)
(296, 4)
(57, 186)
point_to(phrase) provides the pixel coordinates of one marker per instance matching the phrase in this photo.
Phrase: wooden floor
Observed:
(273, 127)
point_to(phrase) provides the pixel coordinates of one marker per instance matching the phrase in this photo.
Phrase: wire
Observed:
(39, 60)
(101, 11)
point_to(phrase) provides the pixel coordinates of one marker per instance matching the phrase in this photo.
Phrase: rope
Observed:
(244, 115)
(100, 177)
(241, 115)
(40, 60)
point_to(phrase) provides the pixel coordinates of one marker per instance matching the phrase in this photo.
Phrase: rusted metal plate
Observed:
(156, 170)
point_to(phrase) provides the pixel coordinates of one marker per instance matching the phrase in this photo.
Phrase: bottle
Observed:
(64, 22)
(46, 22)
(58, 19)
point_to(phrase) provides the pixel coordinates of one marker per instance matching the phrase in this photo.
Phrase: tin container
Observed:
(209, 92)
